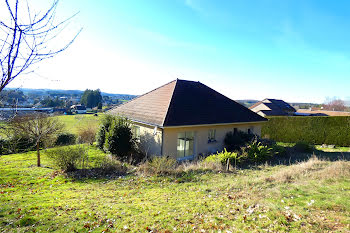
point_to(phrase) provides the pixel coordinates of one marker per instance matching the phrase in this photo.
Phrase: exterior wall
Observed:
(150, 139)
(201, 144)
(260, 107)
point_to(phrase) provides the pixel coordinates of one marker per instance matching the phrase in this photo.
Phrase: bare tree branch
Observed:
(25, 38)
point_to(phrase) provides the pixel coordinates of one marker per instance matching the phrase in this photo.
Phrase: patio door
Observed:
(185, 145)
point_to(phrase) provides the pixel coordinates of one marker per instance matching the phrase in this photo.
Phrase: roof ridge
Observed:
(142, 95)
(171, 99)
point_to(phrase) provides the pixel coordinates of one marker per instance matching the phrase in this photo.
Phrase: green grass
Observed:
(311, 196)
(74, 122)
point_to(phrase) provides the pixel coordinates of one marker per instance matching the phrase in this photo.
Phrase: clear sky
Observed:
(296, 50)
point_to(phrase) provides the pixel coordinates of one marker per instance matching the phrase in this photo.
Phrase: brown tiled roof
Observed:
(149, 108)
(182, 102)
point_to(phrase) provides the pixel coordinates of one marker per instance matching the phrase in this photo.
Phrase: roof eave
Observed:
(201, 125)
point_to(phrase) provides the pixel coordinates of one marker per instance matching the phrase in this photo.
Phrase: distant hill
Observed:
(57, 92)
(247, 103)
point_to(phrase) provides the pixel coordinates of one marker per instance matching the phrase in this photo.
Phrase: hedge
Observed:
(314, 130)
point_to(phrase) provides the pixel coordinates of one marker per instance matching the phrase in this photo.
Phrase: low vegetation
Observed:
(308, 196)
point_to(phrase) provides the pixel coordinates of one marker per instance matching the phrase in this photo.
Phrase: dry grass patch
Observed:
(313, 168)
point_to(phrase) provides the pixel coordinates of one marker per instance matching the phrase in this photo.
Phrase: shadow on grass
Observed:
(93, 175)
(293, 157)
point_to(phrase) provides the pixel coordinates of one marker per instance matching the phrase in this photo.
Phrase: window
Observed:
(251, 130)
(211, 135)
(136, 131)
(185, 144)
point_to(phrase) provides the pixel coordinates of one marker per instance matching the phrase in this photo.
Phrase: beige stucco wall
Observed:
(260, 107)
(201, 145)
(150, 140)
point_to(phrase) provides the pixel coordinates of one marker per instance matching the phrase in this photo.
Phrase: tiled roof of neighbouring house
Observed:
(181, 103)
(276, 107)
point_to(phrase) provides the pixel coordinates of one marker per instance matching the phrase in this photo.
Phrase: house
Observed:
(78, 109)
(273, 107)
(184, 119)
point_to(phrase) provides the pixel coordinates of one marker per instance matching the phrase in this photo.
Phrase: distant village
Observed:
(21, 101)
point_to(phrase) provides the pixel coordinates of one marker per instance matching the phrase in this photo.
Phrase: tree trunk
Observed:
(38, 152)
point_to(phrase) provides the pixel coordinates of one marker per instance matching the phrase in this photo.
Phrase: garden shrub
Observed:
(316, 130)
(105, 125)
(303, 147)
(223, 157)
(64, 139)
(87, 135)
(16, 144)
(101, 137)
(158, 165)
(67, 158)
(257, 152)
(235, 140)
(119, 139)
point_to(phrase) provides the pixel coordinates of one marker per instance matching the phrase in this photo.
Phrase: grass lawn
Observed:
(303, 197)
(74, 122)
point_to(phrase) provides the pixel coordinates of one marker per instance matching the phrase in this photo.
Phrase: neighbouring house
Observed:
(78, 109)
(184, 119)
(273, 107)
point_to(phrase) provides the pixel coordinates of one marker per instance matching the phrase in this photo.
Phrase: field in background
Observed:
(74, 122)
(309, 196)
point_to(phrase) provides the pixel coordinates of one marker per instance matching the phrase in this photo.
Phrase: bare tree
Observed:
(334, 105)
(26, 37)
(39, 127)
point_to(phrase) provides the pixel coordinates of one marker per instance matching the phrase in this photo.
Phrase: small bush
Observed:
(303, 147)
(223, 157)
(16, 144)
(159, 166)
(66, 158)
(87, 135)
(234, 141)
(65, 139)
(257, 152)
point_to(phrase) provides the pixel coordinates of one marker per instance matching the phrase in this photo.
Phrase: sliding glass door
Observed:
(185, 144)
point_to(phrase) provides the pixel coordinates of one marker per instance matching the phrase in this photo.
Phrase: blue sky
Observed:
(296, 50)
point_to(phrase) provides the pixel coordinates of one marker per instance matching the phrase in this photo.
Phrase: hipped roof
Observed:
(181, 103)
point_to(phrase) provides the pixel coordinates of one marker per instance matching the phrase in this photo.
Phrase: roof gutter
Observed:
(236, 123)
(145, 123)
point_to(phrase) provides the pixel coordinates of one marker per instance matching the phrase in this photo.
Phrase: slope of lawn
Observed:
(309, 196)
